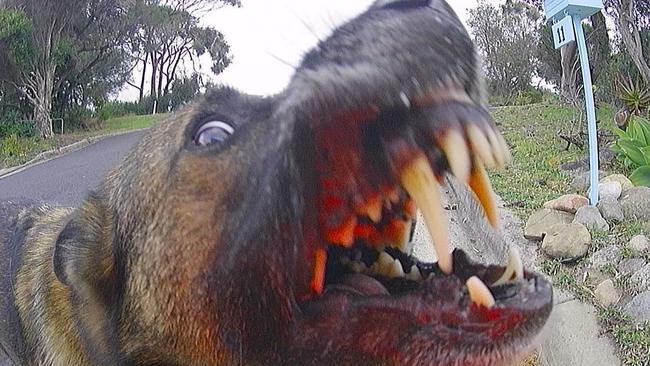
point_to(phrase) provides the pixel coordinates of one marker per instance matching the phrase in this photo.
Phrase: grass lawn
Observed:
(535, 177)
(14, 152)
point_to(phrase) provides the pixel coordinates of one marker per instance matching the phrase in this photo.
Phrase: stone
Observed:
(572, 336)
(607, 294)
(641, 278)
(639, 307)
(610, 190)
(567, 241)
(636, 203)
(639, 245)
(590, 217)
(580, 182)
(630, 265)
(608, 255)
(611, 210)
(567, 203)
(623, 180)
(542, 220)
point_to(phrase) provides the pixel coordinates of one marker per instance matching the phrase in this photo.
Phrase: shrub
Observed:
(634, 145)
(634, 96)
(119, 109)
(11, 123)
(11, 146)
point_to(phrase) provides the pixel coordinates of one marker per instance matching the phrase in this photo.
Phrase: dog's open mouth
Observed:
(375, 173)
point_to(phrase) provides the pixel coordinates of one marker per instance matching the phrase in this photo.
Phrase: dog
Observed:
(273, 230)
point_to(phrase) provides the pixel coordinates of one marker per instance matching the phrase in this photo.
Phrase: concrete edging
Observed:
(58, 152)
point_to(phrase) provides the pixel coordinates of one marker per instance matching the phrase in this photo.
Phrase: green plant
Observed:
(635, 97)
(634, 145)
(11, 146)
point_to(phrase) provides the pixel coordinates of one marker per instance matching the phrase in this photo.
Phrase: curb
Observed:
(58, 152)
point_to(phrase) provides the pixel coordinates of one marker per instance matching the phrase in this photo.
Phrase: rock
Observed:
(639, 307)
(590, 217)
(623, 180)
(572, 336)
(641, 278)
(606, 293)
(611, 210)
(567, 241)
(609, 190)
(636, 203)
(639, 245)
(580, 182)
(567, 203)
(608, 255)
(630, 265)
(541, 221)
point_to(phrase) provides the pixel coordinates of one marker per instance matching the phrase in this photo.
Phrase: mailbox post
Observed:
(567, 18)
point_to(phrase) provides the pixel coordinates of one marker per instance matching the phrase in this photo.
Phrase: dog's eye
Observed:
(213, 132)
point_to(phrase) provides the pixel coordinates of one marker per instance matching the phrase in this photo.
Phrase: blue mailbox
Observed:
(557, 9)
(567, 18)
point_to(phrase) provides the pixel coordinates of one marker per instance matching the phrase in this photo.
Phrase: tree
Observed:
(632, 16)
(63, 38)
(169, 34)
(504, 36)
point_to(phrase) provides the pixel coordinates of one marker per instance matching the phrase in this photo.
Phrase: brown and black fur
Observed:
(188, 255)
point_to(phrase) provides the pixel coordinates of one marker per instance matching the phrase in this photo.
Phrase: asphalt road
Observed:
(67, 179)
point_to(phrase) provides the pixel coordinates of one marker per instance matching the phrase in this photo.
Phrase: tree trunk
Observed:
(42, 99)
(143, 78)
(568, 87)
(630, 35)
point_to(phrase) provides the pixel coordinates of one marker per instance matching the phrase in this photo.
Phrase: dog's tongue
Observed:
(359, 284)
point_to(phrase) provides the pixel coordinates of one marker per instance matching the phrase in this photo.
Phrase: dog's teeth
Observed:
(497, 148)
(384, 260)
(515, 268)
(480, 145)
(479, 182)
(395, 269)
(415, 274)
(505, 148)
(421, 184)
(358, 267)
(373, 209)
(479, 293)
(457, 154)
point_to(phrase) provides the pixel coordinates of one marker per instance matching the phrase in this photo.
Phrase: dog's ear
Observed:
(84, 261)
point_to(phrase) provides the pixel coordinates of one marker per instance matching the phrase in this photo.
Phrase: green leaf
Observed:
(646, 154)
(641, 176)
(619, 132)
(632, 151)
(642, 128)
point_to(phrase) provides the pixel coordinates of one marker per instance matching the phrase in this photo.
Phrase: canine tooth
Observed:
(497, 148)
(457, 155)
(395, 269)
(514, 269)
(479, 182)
(415, 274)
(505, 148)
(421, 184)
(318, 277)
(480, 145)
(479, 293)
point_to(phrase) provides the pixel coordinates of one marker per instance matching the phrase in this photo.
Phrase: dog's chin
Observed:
(432, 317)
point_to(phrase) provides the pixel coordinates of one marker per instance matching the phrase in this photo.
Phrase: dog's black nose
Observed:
(400, 4)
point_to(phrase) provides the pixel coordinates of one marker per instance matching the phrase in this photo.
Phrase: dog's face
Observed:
(269, 230)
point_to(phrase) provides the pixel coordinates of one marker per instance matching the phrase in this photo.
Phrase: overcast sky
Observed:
(269, 37)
